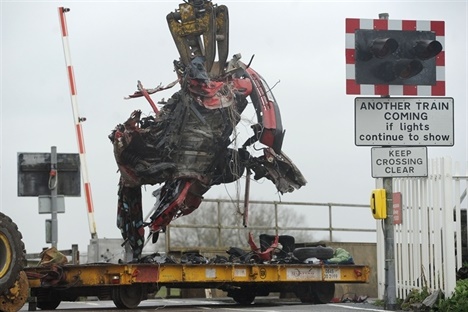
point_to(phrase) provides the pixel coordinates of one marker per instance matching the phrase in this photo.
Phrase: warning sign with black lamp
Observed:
(395, 57)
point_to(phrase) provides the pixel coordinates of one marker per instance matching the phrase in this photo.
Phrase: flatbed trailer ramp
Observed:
(128, 284)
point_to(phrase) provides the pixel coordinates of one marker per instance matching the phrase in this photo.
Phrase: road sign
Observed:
(406, 68)
(397, 209)
(404, 122)
(45, 204)
(399, 162)
(34, 174)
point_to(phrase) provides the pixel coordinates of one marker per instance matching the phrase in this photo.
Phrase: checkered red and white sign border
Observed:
(352, 24)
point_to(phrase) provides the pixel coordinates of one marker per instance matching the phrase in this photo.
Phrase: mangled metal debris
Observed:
(265, 254)
(186, 145)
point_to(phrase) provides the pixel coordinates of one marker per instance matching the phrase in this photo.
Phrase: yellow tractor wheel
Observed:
(12, 254)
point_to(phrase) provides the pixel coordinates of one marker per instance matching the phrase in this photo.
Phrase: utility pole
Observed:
(389, 233)
(389, 236)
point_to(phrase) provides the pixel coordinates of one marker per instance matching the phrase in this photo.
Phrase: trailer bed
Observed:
(128, 284)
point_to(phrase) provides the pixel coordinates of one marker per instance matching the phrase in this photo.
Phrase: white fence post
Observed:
(449, 230)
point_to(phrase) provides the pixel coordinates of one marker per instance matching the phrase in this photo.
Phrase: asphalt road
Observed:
(264, 304)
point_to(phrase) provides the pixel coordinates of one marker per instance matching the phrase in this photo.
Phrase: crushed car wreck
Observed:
(187, 145)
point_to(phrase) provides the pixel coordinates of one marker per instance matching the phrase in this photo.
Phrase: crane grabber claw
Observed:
(197, 27)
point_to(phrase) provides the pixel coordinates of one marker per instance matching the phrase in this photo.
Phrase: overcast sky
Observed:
(299, 44)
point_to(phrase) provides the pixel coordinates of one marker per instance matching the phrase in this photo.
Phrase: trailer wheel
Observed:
(51, 304)
(12, 253)
(317, 292)
(318, 252)
(324, 292)
(305, 293)
(242, 296)
(127, 297)
(244, 299)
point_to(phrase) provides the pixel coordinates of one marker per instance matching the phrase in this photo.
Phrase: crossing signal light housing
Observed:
(396, 57)
(379, 48)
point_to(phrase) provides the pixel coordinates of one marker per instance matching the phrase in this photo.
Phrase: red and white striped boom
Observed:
(77, 120)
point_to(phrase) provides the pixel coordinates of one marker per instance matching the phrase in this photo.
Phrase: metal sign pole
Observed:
(390, 279)
(53, 179)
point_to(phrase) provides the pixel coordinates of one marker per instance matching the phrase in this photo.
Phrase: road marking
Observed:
(251, 310)
(355, 308)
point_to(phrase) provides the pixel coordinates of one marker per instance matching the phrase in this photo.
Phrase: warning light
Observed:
(426, 49)
(396, 57)
(380, 48)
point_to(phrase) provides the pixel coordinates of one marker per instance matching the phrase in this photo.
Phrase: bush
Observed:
(458, 301)
(414, 299)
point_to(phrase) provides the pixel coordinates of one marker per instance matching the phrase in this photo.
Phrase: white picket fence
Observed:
(427, 240)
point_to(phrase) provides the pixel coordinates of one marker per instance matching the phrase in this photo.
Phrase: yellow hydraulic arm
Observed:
(197, 27)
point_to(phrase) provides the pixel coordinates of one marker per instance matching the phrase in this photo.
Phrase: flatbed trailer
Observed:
(128, 284)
